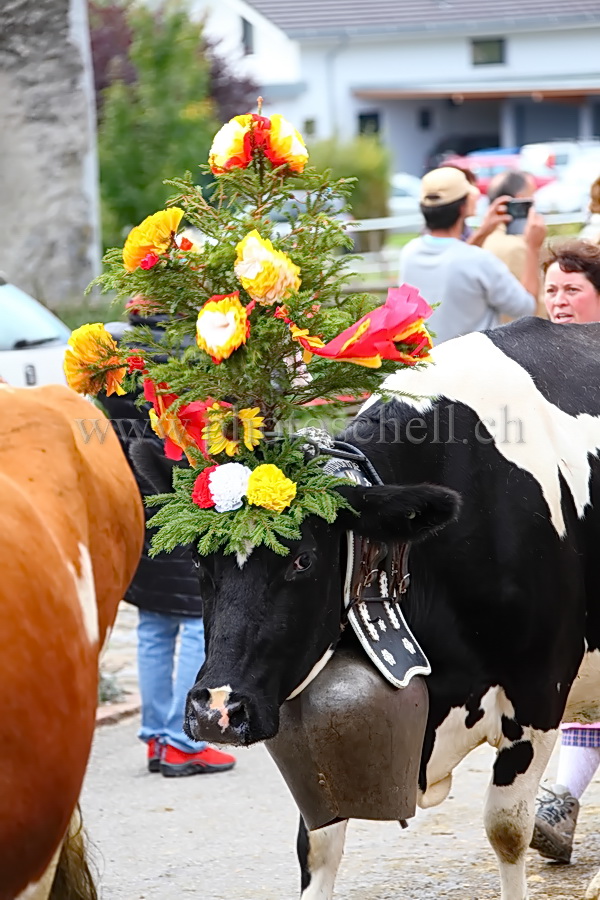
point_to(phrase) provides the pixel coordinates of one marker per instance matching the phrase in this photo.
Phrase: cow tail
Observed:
(74, 879)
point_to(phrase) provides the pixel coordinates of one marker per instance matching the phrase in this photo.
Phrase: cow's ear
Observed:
(397, 512)
(152, 466)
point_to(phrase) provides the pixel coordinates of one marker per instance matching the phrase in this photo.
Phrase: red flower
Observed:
(201, 494)
(149, 260)
(185, 244)
(395, 331)
(135, 363)
(190, 423)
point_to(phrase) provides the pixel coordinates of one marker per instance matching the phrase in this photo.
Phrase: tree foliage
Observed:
(161, 92)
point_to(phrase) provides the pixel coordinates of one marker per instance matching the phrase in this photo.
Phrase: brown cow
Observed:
(71, 526)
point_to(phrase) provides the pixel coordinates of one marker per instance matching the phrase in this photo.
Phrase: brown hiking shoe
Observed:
(555, 821)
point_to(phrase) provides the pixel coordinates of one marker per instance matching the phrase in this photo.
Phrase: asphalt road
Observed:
(232, 836)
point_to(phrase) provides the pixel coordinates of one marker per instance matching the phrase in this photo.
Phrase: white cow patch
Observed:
(583, 705)
(219, 698)
(243, 557)
(313, 673)
(40, 890)
(453, 741)
(529, 431)
(86, 591)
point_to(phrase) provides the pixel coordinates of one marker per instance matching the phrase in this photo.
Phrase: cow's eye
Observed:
(302, 562)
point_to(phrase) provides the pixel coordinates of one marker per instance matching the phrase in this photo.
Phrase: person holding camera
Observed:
(472, 287)
(511, 193)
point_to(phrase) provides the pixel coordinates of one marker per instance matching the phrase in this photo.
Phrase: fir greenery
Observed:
(267, 372)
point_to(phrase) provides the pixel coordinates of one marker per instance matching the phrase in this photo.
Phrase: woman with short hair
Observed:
(572, 296)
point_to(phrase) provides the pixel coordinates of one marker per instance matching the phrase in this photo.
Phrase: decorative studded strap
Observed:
(376, 580)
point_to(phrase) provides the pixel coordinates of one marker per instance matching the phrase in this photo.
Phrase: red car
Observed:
(486, 165)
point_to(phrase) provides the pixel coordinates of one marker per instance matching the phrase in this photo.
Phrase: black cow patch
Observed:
(511, 729)
(512, 761)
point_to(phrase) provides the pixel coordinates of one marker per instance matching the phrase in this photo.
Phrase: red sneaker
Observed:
(154, 753)
(175, 763)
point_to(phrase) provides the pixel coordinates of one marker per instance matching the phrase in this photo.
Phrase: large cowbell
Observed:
(349, 745)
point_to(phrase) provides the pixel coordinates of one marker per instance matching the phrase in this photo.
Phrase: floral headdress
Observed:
(258, 328)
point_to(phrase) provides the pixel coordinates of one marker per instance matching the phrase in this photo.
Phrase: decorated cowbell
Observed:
(349, 745)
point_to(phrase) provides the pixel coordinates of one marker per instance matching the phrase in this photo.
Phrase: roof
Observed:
(315, 18)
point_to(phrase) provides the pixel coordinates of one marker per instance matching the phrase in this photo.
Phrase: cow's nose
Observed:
(216, 717)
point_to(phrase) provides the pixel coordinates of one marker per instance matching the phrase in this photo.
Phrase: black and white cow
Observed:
(505, 599)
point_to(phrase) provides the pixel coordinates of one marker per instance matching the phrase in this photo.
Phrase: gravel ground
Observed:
(232, 835)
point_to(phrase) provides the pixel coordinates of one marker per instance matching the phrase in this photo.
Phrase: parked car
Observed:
(487, 164)
(557, 155)
(571, 192)
(457, 145)
(405, 191)
(32, 340)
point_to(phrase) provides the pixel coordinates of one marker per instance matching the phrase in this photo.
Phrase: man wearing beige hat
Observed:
(473, 287)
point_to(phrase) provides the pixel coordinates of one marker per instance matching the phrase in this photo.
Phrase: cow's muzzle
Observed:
(222, 716)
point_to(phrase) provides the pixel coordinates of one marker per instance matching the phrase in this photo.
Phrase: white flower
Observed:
(228, 485)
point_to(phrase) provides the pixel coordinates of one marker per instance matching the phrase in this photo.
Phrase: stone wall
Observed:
(49, 211)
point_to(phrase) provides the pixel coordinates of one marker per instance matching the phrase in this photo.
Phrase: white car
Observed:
(571, 193)
(32, 340)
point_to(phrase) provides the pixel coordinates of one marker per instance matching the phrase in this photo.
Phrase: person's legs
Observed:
(191, 657)
(558, 806)
(157, 634)
(182, 756)
(576, 768)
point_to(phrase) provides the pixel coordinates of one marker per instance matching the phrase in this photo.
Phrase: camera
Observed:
(519, 210)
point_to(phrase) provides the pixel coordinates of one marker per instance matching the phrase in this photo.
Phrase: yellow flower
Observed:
(91, 363)
(153, 235)
(267, 274)
(286, 145)
(270, 488)
(222, 326)
(227, 428)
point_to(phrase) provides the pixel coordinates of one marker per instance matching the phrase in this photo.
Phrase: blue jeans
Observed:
(163, 690)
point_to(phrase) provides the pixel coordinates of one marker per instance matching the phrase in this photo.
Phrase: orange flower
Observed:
(236, 143)
(285, 146)
(153, 236)
(395, 331)
(91, 362)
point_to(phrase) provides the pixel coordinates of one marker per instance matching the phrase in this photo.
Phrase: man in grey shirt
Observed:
(472, 286)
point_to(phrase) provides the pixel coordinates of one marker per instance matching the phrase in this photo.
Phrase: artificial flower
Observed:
(149, 261)
(152, 237)
(227, 428)
(237, 142)
(270, 488)
(267, 274)
(394, 331)
(91, 363)
(228, 485)
(222, 326)
(181, 430)
(234, 143)
(135, 363)
(285, 145)
(201, 494)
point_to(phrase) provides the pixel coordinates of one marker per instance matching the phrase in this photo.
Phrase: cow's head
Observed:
(271, 622)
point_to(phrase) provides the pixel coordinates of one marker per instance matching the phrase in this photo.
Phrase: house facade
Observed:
(425, 75)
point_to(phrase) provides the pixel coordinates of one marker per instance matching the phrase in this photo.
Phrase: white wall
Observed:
(275, 59)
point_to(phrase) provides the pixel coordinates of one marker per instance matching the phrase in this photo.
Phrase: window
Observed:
(368, 123)
(310, 127)
(424, 116)
(247, 37)
(488, 52)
